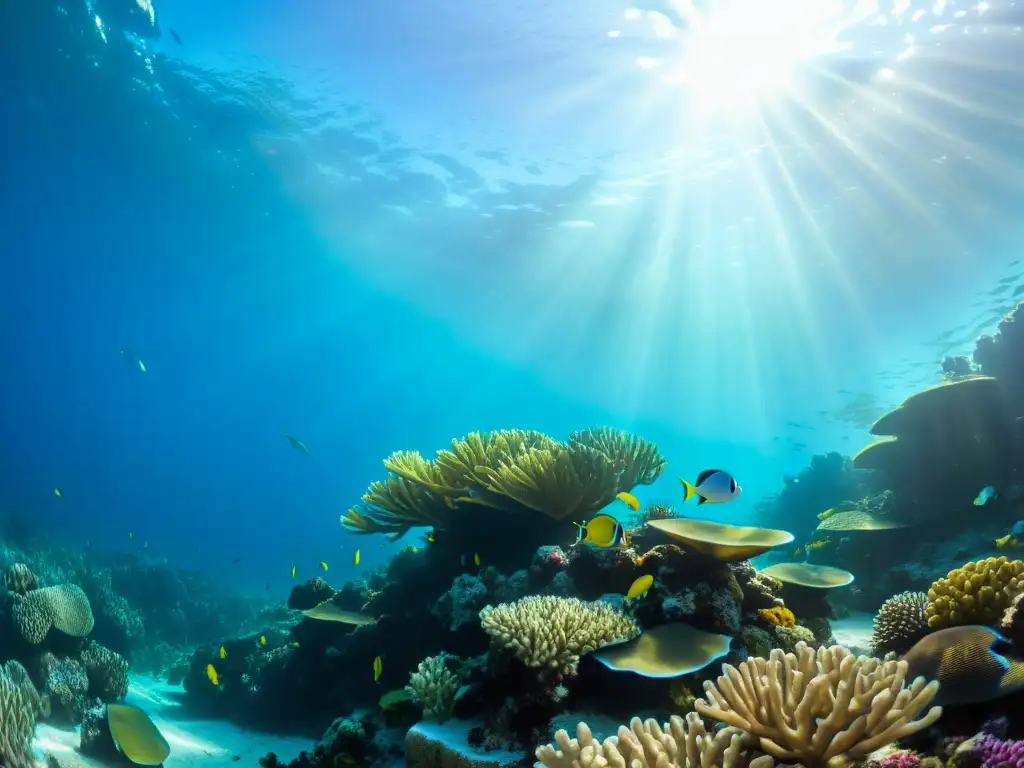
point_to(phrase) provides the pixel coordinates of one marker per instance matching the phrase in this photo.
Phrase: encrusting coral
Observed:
(645, 744)
(975, 593)
(814, 705)
(553, 632)
(434, 687)
(900, 622)
(64, 606)
(778, 615)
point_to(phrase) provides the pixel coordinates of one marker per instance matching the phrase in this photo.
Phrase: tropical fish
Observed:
(297, 444)
(131, 535)
(295, 568)
(223, 653)
(323, 564)
(639, 587)
(211, 673)
(357, 557)
(328, 611)
(603, 531)
(476, 559)
(1013, 538)
(985, 495)
(629, 500)
(136, 735)
(263, 639)
(294, 644)
(378, 667)
(430, 537)
(133, 359)
(394, 698)
(798, 551)
(715, 486)
(56, 492)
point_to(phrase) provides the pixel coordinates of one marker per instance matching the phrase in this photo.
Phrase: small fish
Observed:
(295, 569)
(263, 639)
(236, 561)
(430, 537)
(714, 486)
(323, 564)
(357, 557)
(1006, 541)
(603, 531)
(294, 644)
(476, 559)
(175, 36)
(985, 495)
(132, 358)
(223, 653)
(211, 673)
(629, 500)
(56, 492)
(131, 535)
(639, 587)
(378, 667)
(462, 561)
(798, 551)
(297, 444)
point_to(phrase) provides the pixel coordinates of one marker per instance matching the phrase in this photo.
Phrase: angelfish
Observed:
(713, 486)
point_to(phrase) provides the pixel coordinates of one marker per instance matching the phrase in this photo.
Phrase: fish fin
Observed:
(705, 475)
(1013, 678)
(688, 490)
(701, 500)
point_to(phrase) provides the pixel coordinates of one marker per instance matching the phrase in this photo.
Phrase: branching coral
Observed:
(434, 687)
(975, 593)
(65, 607)
(900, 622)
(510, 470)
(645, 744)
(811, 706)
(554, 632)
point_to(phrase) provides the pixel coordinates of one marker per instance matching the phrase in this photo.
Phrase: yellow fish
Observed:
(223, 653)
(603, 531)
(378, 667)
(56, 492)
(476, 559)
(430, 537)
(357, 557)
(263, 639)
(798, 551)
(211, 673)
(629, 500)
(639, 587)
(1006, 541)
(294, 569)
(323, 564)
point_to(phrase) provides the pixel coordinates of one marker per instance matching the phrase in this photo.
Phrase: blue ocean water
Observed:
(382, 226)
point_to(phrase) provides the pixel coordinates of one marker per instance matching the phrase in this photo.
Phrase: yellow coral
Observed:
(827, 513)
(554, 632)
(975, 593)
(778, 615)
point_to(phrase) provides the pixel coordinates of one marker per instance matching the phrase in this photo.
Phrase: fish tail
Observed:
(688, 490)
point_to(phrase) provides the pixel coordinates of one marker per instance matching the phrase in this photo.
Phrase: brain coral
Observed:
(65, 607)
(975, 593)
(900, 622)
(554, 632)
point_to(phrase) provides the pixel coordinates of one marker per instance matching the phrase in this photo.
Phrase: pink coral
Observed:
(901, 758)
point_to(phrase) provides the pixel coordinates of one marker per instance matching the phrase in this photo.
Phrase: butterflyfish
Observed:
(378, 667)
(603, 531)
(294, 569)
(985, 495)
(223, 653)
(56, 492)
(211, 673)
(629, 500)
(639, 587)
(357, 557)
(263, 639)
(714, 486)
(297, 444)
(323, 564)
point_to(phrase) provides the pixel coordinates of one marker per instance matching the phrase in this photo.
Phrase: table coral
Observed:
(64, 606)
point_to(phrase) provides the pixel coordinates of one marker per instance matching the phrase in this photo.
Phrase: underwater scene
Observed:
(535, 384)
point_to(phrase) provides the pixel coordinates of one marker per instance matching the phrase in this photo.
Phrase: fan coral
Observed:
(975, 593)
(644, 744)
(19, 579)
(510, 470)
(778, 615)
(434, 687)
(900, 622)
(20, 705)
(65, 607)
(554, 632)
(810, 706)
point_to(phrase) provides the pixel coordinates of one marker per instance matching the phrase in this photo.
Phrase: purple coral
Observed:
(901, 758)
(994, 752)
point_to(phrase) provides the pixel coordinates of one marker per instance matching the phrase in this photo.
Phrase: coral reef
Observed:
(434, 687)
(900, 622)
(976, 593)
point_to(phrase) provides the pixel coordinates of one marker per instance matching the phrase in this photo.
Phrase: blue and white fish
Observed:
(985, 495)
(713, 486)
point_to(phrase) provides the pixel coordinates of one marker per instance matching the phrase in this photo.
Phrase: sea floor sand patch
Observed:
(200, 743)
(854, 631)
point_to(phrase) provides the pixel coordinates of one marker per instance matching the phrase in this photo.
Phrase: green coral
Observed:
(434, 686)
(64, 606)
(510, 470)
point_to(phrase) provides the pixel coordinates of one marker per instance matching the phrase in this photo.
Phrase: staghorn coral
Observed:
(778, 615)
(811, 706)
(19, 579)
(509, 470)
(434, 687)
(64, 606)
(680, 743)
(20, 705)
(553, 632)
(107, 672)
(975, 593)
(900, 622)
